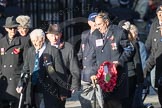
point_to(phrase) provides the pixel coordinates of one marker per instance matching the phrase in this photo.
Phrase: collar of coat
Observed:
(61, 45)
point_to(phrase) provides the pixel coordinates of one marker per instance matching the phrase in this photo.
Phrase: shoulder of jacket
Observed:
(115, 27)
(86, 31)
(68, 44)
(51, 48)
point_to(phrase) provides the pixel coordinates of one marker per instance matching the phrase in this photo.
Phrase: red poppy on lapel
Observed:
(16, 50)
(61, 45)
(112, 38)
(107, 76)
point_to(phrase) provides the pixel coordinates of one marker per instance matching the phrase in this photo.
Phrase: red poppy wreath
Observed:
(107, 76)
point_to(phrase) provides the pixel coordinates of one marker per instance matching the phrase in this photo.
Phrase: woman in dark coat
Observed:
(135, 68)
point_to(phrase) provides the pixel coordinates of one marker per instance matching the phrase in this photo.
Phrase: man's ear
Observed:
(107, 22)
(6, 29)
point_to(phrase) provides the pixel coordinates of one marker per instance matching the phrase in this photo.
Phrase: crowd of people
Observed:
(39, 69)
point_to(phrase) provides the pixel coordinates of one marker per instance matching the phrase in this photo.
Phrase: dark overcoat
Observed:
(51, 89)
(154, 45)
(11, 63)
(87, 55)
(71, 66)
(115, 47)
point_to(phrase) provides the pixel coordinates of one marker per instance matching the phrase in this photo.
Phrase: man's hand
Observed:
(19, 89)
(94, 79)
(146, 82)
(63, 98)
(116, 63)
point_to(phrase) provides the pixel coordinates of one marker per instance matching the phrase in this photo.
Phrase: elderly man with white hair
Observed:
(43, 74)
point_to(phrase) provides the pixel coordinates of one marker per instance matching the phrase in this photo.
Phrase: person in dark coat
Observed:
(46, 86)
(113, 46)
(154, 31)
(11, 57)
(154, 44)
(87, 57)
(24, 29)
(54, 35)
(135, 70)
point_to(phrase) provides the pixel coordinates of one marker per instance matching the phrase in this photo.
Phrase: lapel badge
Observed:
(155, 39)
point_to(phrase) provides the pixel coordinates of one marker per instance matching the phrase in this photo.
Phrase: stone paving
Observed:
(151, 98)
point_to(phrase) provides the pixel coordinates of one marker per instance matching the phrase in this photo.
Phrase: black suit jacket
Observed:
(51, 87)
(87, 55)
(115, 48)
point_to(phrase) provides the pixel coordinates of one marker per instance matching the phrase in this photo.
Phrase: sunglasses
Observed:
(13, 28)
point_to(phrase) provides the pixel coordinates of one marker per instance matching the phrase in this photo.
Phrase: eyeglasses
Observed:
(13, 28)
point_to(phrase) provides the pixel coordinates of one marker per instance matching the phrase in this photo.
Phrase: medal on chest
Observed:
(2, 51)
(83, 47)
(113, 46)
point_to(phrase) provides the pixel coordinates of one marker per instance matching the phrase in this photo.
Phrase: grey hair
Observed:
(37, 33)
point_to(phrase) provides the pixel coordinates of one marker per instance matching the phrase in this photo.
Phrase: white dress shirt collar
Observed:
(42, 50)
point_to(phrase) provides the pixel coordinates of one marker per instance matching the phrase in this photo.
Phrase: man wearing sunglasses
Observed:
(11, 60)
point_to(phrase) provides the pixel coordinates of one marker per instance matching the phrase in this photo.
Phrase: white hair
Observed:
(37, 33)
(126, 25)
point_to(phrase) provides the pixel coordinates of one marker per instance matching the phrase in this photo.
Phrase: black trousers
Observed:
(127, 102)
(113, 104)
(160, 95)
(9, 104)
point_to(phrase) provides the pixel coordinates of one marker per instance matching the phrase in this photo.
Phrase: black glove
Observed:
(147, 82)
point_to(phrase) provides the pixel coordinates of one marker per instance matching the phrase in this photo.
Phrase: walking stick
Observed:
(94, 97)
(20, 101)
(26, 77)
(94, 88)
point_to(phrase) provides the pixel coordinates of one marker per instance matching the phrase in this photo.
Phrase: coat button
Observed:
(85, 58)
(10, 65)
(84, 67)
(102, 51)
(4, 66)
(46, 76)
(11, 52)
(10, 79)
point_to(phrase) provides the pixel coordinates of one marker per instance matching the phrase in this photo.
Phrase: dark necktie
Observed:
(36, 69)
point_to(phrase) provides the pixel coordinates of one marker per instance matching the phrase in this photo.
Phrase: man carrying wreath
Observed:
(113, 46)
